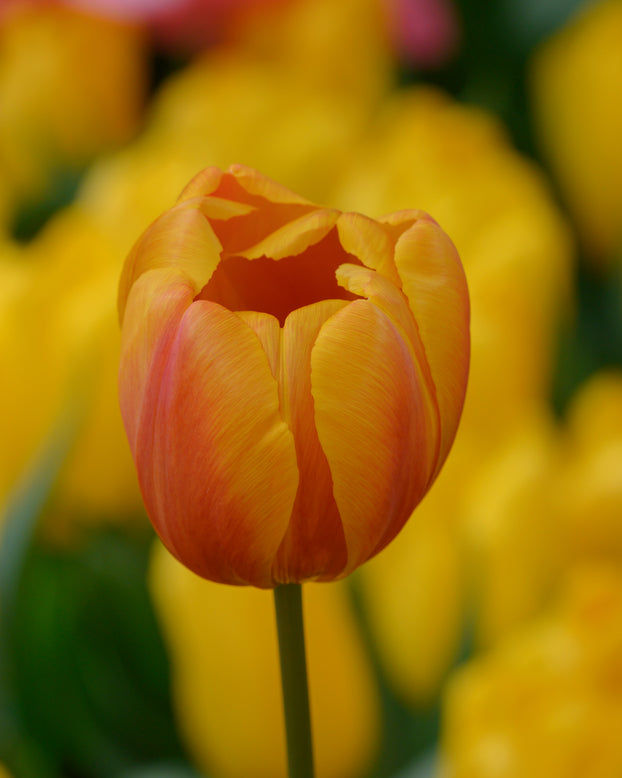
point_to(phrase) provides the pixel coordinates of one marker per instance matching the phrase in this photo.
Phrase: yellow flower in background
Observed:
(511, 538)
(289, 99)
(547, 701)
(576, 86)
(517, 258)
(481, 552)
(229, 105)
(460, 165)
(339, 48)
(415, 604)
(71, 86)
(226, 688)
(97, 481)
(219, 109)
(25, 409)
(548, 497)
(588, 491)
(59, 304)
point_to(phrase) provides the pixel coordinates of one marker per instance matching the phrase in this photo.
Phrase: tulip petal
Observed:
(259, 208)
(384, 295)
(371, 422)
(259, 185)
(218, 207)
(295, 236)
(243, 234)
(368, 241)
(399, 221)
(156, 303)
(434, 283)
(240, 183)
(268, 330)
(180, 238)
(205, 183)
(216, 459)
(314, 546)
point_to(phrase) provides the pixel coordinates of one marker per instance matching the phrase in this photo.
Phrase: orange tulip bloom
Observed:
(291, 377)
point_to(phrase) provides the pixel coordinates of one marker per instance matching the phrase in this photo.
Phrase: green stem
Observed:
(288, 604)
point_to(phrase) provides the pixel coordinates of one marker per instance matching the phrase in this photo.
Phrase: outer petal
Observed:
(155, 307)
(216, 462)
(205, 183)
(434, 283)
(257, 184)
(243, 184)
(371, 422)
(180, 238)
(314, 546)
(391, 301)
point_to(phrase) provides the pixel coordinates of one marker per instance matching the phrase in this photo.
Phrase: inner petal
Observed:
(314, 545)
(279, 287)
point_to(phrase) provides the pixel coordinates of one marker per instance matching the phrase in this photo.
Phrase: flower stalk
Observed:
(290, 629)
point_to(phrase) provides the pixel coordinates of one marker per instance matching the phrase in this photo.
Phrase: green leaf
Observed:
(423, 767)
(19, 524)
(161, 770)
(91, 669)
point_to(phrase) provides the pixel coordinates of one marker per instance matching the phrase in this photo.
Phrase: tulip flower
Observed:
(291, 377)
(575, 93)
(545, 702)
(587, 495)
(71, 87)
(57, 300)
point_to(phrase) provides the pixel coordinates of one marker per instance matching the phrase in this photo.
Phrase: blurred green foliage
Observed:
(84, 685)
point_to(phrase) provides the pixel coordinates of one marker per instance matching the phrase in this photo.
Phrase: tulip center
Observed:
(279, 287)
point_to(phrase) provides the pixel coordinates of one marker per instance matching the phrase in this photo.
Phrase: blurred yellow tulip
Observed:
(71, 86)
(546, 702)
(339, 48)
(484, 543)
(457, 163)
(230, 106)
(576, 86)
(226, 682)
(60, 330)
(218, 110)
(588, 491)
(24, 412)
(485, 508)
(413, 594)
(511, 537)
